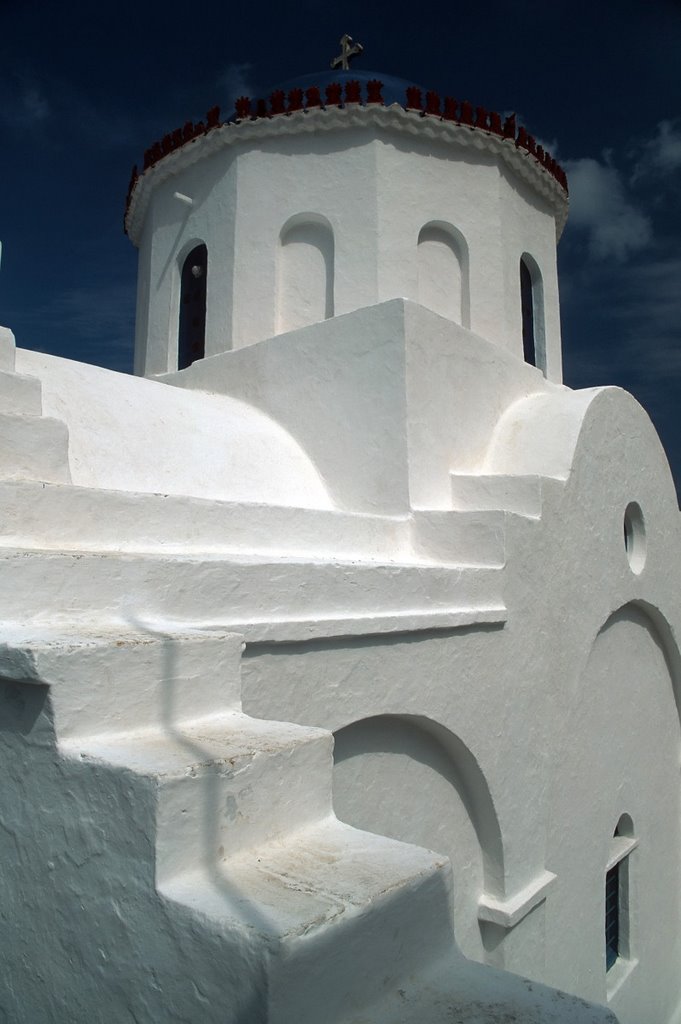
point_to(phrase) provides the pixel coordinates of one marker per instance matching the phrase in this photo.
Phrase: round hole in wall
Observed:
(635, 536)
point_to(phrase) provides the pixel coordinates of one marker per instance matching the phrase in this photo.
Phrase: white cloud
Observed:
(599, 206)
(661, 154)
(236, 81)
(650, 309)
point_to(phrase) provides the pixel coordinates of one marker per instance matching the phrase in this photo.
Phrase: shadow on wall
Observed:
(410, 778)
(21, 706)
(84, 927)
(206, 793)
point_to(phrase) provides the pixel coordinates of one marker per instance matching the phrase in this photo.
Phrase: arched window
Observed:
(443, 271)
(532, 306)
(305, 272)
(191, 340)
(617, 929)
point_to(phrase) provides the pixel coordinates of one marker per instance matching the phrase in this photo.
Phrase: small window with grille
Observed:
(612, 916)
(617, 896)
(191, 341)
(532, 312)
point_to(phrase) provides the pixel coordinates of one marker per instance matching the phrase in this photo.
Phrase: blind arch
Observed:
(305, 272)
(443, 284)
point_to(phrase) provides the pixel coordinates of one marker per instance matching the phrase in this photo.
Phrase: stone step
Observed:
(20, 394)
(449, 990)
(224, 783)
(346, 914)
(33, 448)
(519, 494)
(120, 681)
(91, 519)
(264, 598)
(468, 538)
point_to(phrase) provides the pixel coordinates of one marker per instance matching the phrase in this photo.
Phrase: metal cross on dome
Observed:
(348, 51)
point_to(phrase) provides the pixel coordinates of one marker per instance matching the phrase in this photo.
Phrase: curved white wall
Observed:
(626, 696)
(413, 780)
(139, 435)
(392, 217)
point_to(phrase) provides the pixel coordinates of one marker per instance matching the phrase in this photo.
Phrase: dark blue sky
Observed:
(85, 89)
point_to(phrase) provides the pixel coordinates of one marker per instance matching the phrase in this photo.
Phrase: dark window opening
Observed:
(527, 304)
(191, 342)
(612, 916)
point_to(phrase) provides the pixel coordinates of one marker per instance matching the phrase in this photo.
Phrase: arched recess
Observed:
(664, 637)
(191, 335)
(412, 779)
(305, 272)
(532, 309)
(617, 764)
(443, 276)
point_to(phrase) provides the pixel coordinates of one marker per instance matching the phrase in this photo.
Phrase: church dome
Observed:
(394, 89)
(338, 88)
(336, 191)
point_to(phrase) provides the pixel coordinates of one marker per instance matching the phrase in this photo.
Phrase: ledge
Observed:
(394, 117)
(621, 847)
(618, 974)
(509, 912)
(300, 630)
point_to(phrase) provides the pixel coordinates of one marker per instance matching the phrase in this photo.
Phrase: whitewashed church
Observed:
(339, 666)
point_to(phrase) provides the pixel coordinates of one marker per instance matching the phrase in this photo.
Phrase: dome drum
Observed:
(387, 201)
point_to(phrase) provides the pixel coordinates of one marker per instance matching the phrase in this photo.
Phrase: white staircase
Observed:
(230, 819)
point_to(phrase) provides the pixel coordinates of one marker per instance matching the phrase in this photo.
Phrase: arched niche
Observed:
(624, 826)
(614, 787)
(410, 778)
(305, 272)
(443, 271)
(532, 311)
(191, 335)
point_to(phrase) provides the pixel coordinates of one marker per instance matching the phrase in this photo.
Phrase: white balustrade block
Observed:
(7, 349)
(34, 448)
(20, 393)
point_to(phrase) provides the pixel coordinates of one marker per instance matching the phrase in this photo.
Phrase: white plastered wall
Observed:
(374, 190)
(172, 229)
(625, 693)
(528, 226)
(139, 435)
(422, 183)
(328, 176)
(541, 719)
(443, 389)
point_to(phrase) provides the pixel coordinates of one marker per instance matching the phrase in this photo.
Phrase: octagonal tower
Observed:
(341, 191)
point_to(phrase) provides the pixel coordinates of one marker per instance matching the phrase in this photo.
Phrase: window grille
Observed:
(612, 916)
(527, 307)
(192, 328)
